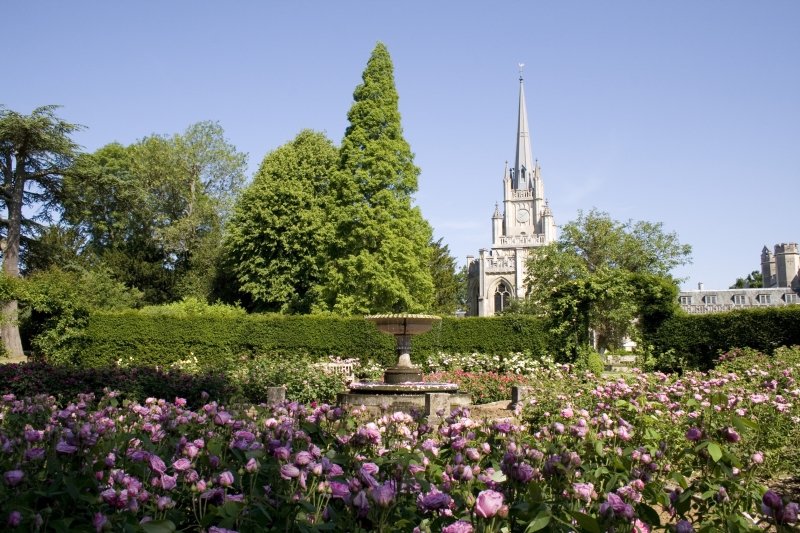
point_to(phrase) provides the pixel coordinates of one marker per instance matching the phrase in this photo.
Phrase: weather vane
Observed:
(520, 69)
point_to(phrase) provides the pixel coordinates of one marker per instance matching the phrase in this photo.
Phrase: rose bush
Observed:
(685, 453)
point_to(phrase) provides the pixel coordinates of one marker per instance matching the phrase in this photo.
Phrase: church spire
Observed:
(523, 167)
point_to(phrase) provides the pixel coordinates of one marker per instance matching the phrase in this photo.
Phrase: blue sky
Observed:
(686, 113)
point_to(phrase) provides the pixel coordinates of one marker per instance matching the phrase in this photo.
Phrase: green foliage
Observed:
(153, 212)
(688, 342)
(136, 383)
(276, 241)
(58, 302)
(448, 284)
(379, 255)
(304, 382)
(217, 341)
(602, 275)
(754, 280)
(589, 359)
(192, 307)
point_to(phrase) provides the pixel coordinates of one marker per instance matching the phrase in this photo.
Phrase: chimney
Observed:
(700, 286)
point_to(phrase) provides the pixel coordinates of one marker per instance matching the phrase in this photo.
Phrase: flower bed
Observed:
(589, 456)
(484, 387)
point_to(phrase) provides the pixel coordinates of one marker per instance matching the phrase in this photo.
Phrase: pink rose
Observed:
(488, 503)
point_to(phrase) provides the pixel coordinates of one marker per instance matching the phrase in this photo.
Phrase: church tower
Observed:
(498, 275)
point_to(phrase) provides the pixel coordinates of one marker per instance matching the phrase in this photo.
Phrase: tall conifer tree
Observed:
(380, 253)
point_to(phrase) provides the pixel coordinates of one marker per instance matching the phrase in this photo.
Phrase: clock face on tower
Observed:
(522, 216)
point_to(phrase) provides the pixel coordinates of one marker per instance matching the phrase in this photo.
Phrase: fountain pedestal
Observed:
(402, 388)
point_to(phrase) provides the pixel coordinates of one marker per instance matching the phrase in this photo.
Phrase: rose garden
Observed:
(177, 345)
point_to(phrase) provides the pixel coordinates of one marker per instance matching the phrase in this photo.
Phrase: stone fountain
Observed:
(402, 388)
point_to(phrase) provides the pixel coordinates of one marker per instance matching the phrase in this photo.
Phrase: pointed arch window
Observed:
(502, 297)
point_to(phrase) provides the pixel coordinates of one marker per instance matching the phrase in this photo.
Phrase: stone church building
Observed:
(497, 275)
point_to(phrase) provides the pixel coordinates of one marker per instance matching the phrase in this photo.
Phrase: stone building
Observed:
(497, 275)
(781, 274)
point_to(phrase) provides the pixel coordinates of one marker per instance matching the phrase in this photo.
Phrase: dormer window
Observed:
(790, 298)
(764, 299)
(739, 299)
(710, 299)
(686, 300)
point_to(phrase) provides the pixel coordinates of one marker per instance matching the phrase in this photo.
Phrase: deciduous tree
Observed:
(604, 275)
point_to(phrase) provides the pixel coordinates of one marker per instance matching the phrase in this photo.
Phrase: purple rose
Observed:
(222, 418)
(157, 464)
(684, 527)
(339, 490)
(336, 470)
(164, 502)
(435, 501)
(226, 479)
(488, 503)
(63, 447)
(790, 513)
(370, 468)
(303, 458)
(383, 494)
(34, 454)
(731, 435)
(614, 505)
(289, 471)
(360, 502)
(181, 465)
(522, 472)
(458, 527)
(772, 500)
(694, 434)
(14, 518)
(252, 465)
(13, 477)
(473, 455)
(32, 435)
(169, 482)
(99, 521)
(282, 453)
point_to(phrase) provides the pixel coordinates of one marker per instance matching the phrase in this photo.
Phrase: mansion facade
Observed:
(780, 272)
(497, 275)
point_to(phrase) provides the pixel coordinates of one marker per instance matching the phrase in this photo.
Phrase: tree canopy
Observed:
(277, 240)
(753, 280)
(602, 275)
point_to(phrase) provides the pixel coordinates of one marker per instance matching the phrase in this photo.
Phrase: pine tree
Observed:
(380, 253)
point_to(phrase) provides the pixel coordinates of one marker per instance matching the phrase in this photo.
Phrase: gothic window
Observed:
(502, 297)
(739, 299)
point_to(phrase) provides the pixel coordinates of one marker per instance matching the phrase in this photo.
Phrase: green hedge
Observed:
(688, 342)
(161, 340)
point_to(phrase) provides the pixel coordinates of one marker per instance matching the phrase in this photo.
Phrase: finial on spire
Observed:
(520, 70)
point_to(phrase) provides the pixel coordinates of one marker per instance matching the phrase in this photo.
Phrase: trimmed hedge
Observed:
(689, 342)
(216, 341)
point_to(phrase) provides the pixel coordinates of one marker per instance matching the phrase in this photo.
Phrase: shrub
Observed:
(134, 382)
(694, 342)
(589, 359)
(217, 341)
(304, 381)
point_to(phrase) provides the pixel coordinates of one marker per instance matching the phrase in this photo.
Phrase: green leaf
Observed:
(586, 522)
(158, 526)
(649, 514)
(541, 520)
(715, 451)
(230, 509)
